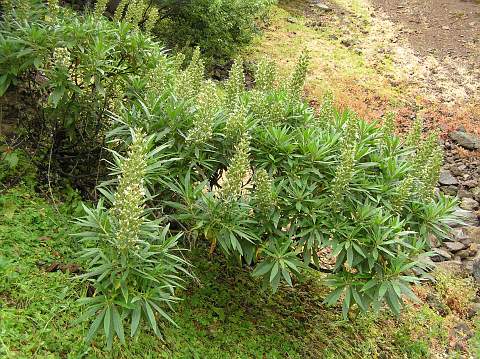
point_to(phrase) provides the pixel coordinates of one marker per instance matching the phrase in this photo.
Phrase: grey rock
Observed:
(469, 204)
(454, 246)
(476, 193)
(476, 269)
(463, 193)
(433, 241)
(466, 140)
(450, 190)
(440, 255)
(473, 234)
(468, 218)
(446, 178)
(323, 7)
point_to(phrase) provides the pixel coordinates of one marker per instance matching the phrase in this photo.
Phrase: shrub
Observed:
(219, 28)
(258, 175)
(78, 69)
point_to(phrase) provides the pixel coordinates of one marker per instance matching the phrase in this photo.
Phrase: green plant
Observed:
(255, 174)
(219, 28)
(131, 260)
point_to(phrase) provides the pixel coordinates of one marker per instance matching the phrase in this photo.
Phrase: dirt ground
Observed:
(416, 57)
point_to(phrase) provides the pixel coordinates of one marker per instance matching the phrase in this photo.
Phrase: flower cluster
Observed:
(152, 18)
(236, 124)
(237, 171)
(403, 193)
(265, 75)
(266, 110)
(388, 126)
(415, 134)
(61, 57)
(190, 80)
(135, 12)
(100, 7)
(345, 169)
(264, 196)
(204, 117)
(157, 79)
(299, 75)
(129, 198)
(235, 85)
(327, 111)
(430, 174)
(120, 9)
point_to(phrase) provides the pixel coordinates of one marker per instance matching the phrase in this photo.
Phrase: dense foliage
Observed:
(219, 27)
(257, 174)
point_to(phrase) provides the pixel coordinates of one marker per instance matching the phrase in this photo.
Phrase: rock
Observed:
(473, 234)
(440, 255)
(473, 310)
(466, 140)
(469, 204)
(463, 254)
(476, 269)
(459, 234)
(347, 42)
(465, 217)
(455, 267)
(454, 246)
(323, 7)
(433, 241)
(476, 193)
(292, 20)
(435, 303)
(450, 190)
(462, 193)
(470, 183)
(446, 178)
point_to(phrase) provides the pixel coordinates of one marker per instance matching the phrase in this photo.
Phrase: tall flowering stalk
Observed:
(237, 171)
(204, 117)
(265, 75)
(264, 196)
(129, 199)
(235, 85)
(345, 170)
(299, 75)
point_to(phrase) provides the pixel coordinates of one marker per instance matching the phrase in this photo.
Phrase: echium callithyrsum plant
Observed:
(130, 260)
